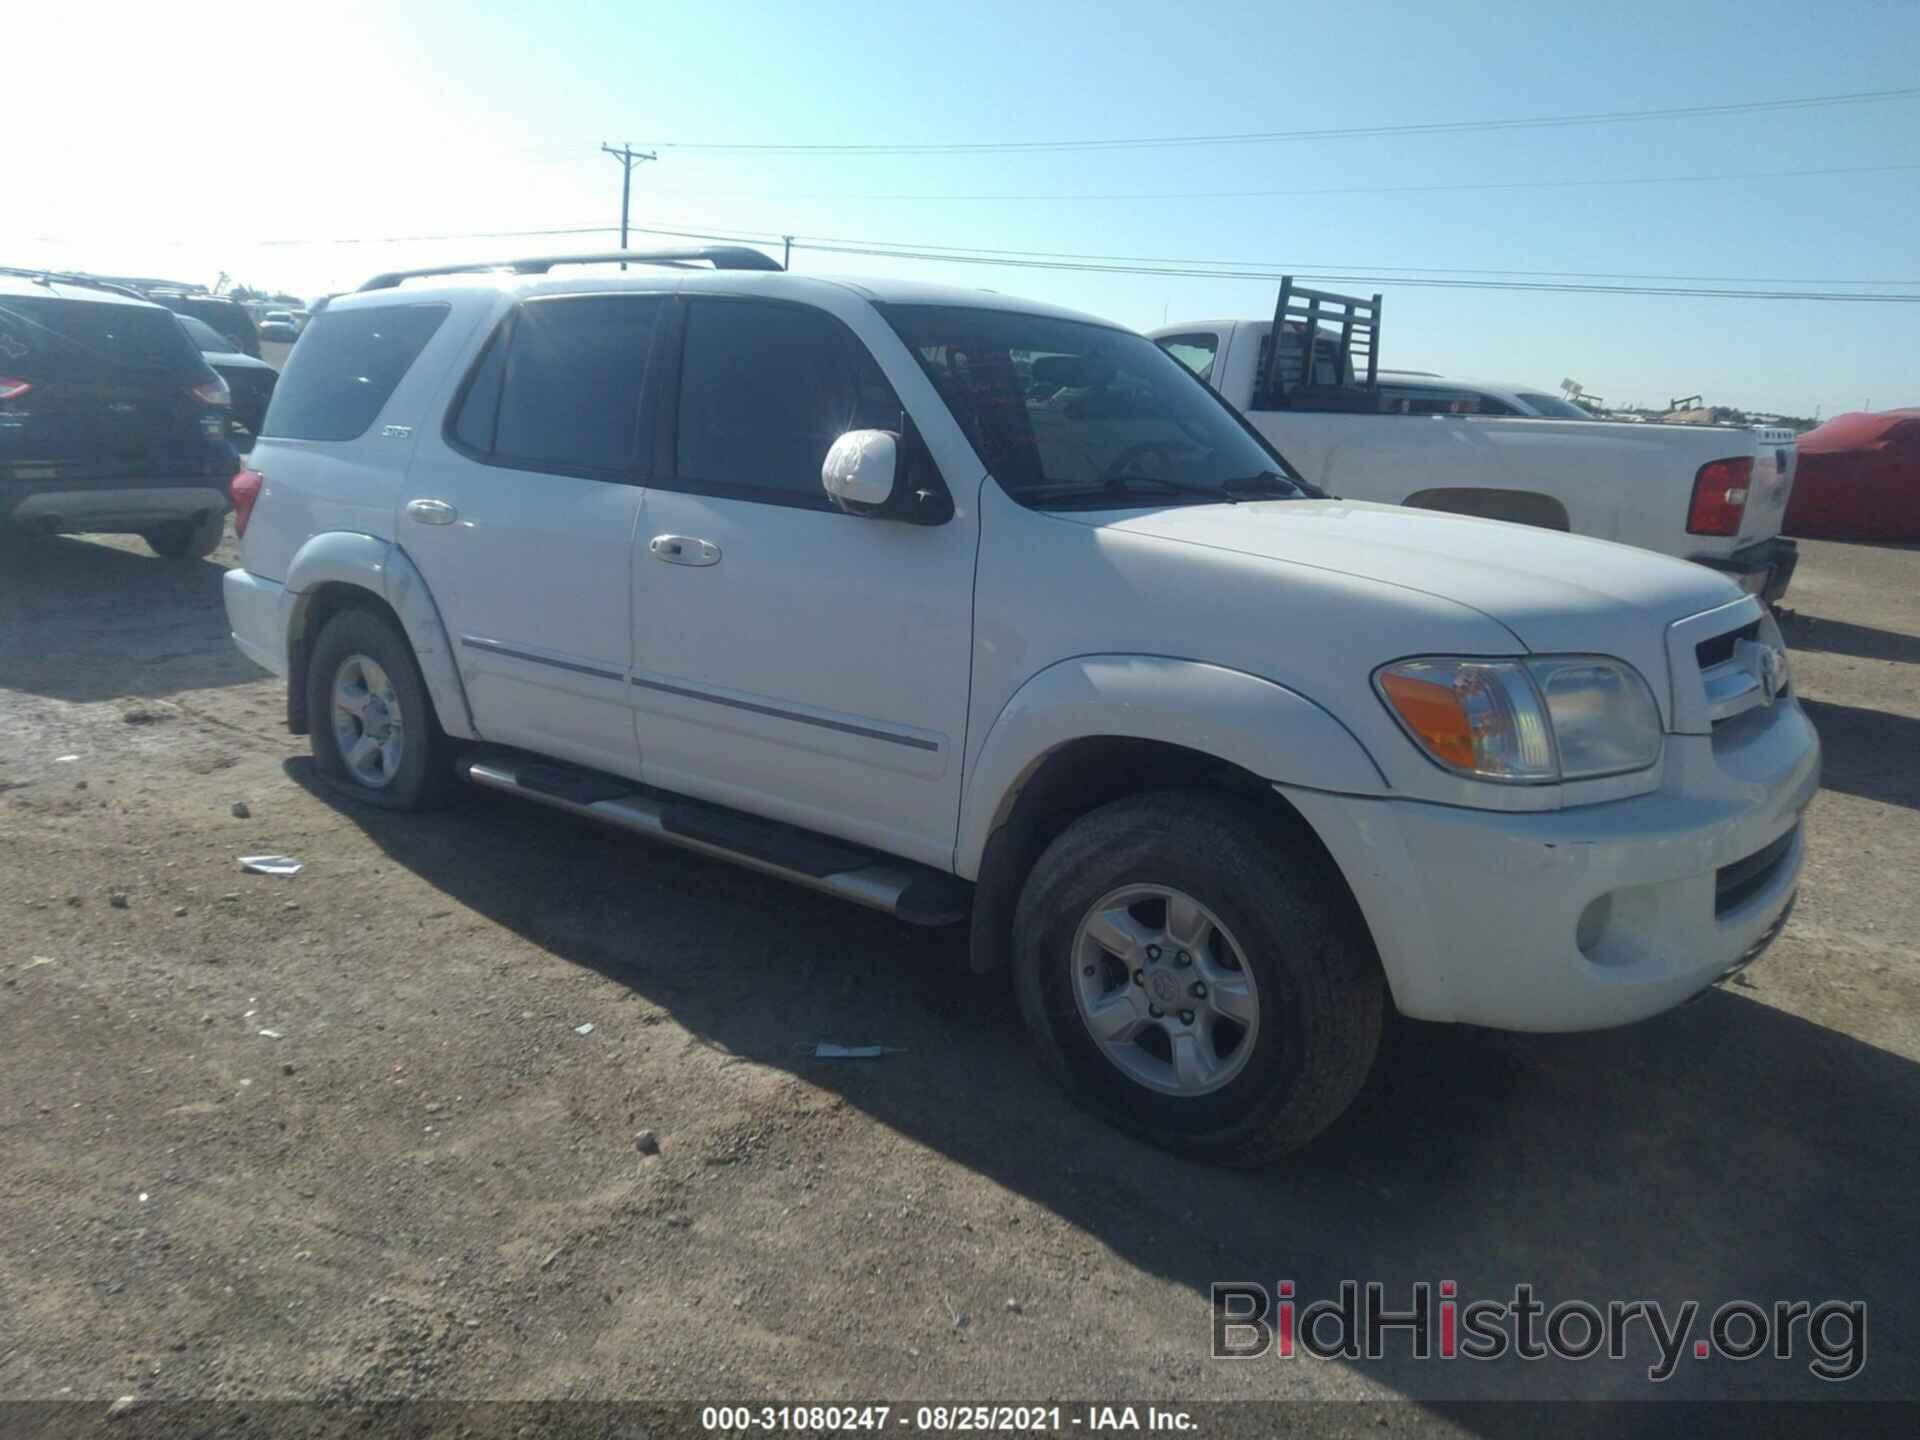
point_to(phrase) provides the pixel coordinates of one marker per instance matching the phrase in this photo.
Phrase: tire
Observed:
(188, 539)
(368, 655)
(1280, 925)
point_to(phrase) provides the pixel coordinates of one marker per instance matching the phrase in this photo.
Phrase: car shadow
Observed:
(1869, 753)
(130, 622)
(1842, 637)
(1727, 1150)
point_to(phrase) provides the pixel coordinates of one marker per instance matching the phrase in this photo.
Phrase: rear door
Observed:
(520, 515)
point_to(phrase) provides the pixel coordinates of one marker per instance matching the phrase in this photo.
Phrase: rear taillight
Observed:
(213, 392)
(244, 489)
(12, 387)
(1719, 497)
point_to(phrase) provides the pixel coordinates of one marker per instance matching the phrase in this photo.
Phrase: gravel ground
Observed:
(347, 1135)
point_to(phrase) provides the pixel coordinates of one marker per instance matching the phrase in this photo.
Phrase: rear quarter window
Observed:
(345, 369)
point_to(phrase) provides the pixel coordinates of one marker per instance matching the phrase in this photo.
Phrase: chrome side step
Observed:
(914, 893)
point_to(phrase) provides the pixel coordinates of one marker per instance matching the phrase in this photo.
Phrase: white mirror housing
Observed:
(859, 470)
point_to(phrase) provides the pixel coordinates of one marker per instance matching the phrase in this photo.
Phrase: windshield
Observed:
(1554, 406)
(1066, 413)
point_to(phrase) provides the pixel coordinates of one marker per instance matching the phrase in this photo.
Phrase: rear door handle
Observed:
(684, 550)
(432, 512)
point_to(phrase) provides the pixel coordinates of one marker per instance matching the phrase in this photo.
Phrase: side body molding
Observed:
(341, 557)
(1262, 727)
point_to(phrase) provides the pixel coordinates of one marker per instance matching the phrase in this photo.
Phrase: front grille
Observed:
(1718, 649)
(1735, 884)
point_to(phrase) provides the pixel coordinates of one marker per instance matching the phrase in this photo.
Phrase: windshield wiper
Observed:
(1263, 484)
(1118, 485)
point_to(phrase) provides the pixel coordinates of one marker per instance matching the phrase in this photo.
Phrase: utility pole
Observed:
(628, 158)
(786, 255)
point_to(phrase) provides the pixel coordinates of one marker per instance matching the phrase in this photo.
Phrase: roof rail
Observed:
(68, 277)
(720, 257)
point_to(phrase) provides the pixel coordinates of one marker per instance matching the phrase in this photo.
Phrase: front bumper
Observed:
(1583, 918)
(1765, 569)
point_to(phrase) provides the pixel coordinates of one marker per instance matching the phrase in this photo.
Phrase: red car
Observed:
(1859, 478)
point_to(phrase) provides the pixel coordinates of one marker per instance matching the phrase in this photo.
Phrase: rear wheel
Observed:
(1198, 976)
(372, 724)
(190, 539)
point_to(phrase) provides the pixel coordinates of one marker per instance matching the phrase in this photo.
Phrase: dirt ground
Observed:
(347, 1135)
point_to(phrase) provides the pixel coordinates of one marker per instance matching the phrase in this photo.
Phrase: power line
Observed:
(1391, 273)
(840, 195)
(449, 235)
(1187, 270)
(1436, 127)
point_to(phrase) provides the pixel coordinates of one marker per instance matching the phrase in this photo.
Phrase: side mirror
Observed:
(860, 470)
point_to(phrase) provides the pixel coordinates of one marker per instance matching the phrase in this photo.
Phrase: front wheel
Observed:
(190, 539)
(1198, 976)
(372, 724)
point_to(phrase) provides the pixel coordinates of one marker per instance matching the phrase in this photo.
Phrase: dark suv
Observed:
(110, 420)
(228, 317)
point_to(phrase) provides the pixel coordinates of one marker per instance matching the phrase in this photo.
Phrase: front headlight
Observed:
(1527, 722)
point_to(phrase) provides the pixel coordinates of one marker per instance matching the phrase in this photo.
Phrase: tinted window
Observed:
(46, 338)
(1431, 402)
(571, 392)
(480, 405)
(204, 335)
(345, 368)
(1066, 413)
(765, 390)
(1196, 352)
(225, 316)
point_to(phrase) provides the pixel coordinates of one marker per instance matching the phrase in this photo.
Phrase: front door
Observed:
(790, 659)
(521, 519)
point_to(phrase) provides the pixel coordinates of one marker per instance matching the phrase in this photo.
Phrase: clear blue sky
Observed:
(310, 122)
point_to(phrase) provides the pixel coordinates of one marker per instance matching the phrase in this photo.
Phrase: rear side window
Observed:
(1196, 352)
(345, 368)
(765, 390)
(44, 339)
(568, 394)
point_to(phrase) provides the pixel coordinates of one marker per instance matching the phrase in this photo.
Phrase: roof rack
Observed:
(68, 277)
(1301, 311)
(720, 257)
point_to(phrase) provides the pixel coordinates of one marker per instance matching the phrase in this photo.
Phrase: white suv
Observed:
(963, 607)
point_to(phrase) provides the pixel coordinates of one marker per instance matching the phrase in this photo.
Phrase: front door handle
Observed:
(684, 550)
(432, 512)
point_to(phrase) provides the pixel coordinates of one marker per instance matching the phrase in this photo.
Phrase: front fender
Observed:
(384, 569)
(1262, 727)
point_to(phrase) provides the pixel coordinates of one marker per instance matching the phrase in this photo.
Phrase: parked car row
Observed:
(968, 608)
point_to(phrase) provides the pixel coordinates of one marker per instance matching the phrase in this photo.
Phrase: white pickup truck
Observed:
(1711, 494)
(962, 607)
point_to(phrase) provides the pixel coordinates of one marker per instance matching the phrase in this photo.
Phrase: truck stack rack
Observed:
(1290, 373)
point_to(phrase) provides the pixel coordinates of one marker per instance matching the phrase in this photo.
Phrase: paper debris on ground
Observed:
(271, 864)
(827, 1050)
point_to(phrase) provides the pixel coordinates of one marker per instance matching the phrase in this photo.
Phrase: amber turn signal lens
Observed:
(1435, 713)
